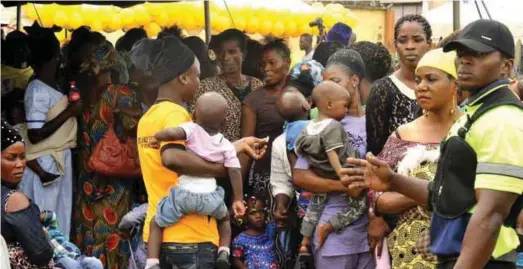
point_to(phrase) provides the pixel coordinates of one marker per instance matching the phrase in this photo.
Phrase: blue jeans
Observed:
(81, 262)
(188, 256)
(182, 202)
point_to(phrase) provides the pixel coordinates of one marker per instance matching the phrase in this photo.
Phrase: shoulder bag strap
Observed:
(501, 97)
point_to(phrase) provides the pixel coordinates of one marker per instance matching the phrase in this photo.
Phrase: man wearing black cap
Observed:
(476, 195)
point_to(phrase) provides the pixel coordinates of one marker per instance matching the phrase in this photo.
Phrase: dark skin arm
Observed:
(171, 134)
(483, 229)
(237, 263)
(415, 188)
(309, 181)
(155, 240)
(393, 203)
(185, 162)
(283, 200)
(282, 206)
(248, 127)
(44, 176)
(182, 161)
(377, 175)
(37, 135)
(237, 189)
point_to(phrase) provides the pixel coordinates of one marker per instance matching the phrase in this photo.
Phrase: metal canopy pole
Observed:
(19, 16)
(207, 14)
(456, 15)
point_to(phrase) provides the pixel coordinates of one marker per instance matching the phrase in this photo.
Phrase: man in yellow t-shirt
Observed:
(194, 238)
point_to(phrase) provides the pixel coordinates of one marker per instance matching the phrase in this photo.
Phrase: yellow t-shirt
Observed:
(158, 179)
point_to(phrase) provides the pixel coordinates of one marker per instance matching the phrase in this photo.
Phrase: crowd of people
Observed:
(167, 152)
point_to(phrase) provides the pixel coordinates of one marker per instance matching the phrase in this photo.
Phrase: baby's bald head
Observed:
(292, 106)
(330, 98)
(328, 90)
(210, 111)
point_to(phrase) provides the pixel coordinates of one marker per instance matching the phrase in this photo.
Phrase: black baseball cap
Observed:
(485, 36)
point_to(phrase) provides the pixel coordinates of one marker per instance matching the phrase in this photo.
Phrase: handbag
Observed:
(114, 157)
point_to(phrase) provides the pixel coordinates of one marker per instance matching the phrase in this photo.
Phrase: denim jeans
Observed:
(188, 256)
(81, 262)
(181, 202)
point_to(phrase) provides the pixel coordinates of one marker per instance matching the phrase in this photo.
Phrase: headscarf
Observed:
(166, 58)
(444, 61)
(9, 135)
(100, 56)
(305, 76)
(340, 32)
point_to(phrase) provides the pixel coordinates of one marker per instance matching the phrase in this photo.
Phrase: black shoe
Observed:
(304, 261)
(222, 262)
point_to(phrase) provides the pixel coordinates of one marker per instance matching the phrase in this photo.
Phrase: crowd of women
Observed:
(64, 106)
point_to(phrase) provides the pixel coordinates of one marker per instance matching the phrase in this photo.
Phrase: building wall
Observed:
(371, 24)
(401, 10)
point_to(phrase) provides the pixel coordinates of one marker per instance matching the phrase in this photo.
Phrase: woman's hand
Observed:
(378, 229)
(370, 173)
(252, 146)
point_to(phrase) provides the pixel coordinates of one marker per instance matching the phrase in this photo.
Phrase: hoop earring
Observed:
(454, 105)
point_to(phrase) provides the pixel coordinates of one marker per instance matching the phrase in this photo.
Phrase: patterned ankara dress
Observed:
(102, 201)
(408, 242)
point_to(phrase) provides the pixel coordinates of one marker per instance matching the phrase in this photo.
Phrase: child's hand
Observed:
(154, 143)
(238, 208)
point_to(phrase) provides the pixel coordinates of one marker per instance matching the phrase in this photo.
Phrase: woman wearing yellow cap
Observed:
(413, 149)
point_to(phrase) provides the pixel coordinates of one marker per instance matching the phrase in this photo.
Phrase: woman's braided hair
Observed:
(427, 29)
(376, 58)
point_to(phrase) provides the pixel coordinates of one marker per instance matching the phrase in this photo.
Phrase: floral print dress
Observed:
(102, 201)
(257, 252)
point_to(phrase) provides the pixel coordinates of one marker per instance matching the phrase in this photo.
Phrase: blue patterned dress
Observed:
(256, 252)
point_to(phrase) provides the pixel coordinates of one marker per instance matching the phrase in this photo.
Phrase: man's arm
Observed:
(376, 174)
(171, 134)
(393, 203)
(309, 181)
(177, 159)
(237, 183)
(414, 188)
(483, 229)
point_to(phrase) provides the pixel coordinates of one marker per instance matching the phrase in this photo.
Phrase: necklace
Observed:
(159, 100)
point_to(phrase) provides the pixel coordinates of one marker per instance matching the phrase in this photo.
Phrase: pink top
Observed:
(215, 148)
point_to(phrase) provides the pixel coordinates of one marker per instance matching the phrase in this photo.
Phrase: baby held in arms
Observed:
(324, 143)
(199, 195)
